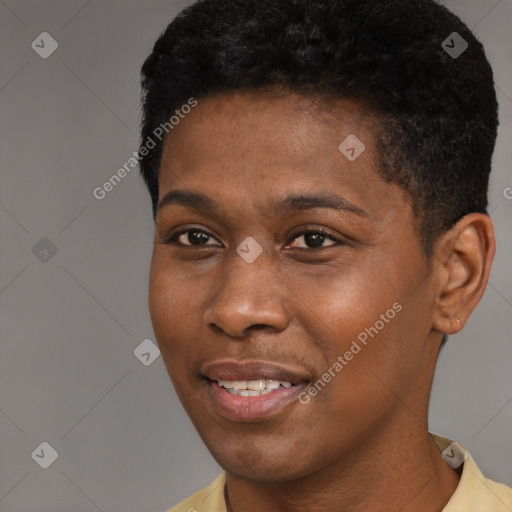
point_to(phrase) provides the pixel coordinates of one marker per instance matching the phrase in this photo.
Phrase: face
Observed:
(277, 258)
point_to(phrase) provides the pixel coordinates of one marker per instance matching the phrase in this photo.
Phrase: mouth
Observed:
(253, 391)
(256, 387)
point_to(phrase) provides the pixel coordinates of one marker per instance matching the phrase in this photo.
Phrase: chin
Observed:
(266, 473)
(261, 465)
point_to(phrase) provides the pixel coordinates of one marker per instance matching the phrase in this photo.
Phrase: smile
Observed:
(253, 404)
(253, 387)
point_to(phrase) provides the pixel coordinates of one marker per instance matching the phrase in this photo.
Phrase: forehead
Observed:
(250, 147)
(273, 118)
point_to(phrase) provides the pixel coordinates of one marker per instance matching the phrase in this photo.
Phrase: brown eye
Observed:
(191, 237)
(314, 239)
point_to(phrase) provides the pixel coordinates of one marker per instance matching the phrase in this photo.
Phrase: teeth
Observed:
(253, 387)
(251, 393)
(272, 384)
(256, 385)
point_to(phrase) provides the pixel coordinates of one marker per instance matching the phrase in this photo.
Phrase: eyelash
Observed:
(172, 240)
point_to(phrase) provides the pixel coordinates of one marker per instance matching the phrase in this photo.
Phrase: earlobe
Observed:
(465, 254)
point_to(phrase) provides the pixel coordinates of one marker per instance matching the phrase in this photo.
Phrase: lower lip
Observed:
(251, 408)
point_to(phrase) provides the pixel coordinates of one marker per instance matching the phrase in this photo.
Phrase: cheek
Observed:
(381, 338)
(370, 318)
(159, 299)
(169, 302)
(356, 305)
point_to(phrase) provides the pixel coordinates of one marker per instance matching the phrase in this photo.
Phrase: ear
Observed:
(463, 256)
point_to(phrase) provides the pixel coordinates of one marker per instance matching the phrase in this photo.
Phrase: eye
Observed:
(190, 237)
(314, 238)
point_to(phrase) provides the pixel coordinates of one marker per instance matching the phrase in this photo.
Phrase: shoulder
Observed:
(208, 499)
(478, 493)
(475, 492)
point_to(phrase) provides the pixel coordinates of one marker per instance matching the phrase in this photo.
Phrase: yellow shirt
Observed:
(475, 493)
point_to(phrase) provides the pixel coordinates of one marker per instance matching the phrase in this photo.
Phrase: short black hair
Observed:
(437, 113)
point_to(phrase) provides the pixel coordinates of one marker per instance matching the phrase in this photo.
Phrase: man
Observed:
(318, 172)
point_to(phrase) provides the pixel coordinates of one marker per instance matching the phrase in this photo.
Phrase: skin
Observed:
(363, 440)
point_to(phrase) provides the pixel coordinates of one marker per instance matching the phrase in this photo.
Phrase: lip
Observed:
(252, 408)
(253, 370)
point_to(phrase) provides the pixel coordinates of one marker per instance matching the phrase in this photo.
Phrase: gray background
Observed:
(70, 325)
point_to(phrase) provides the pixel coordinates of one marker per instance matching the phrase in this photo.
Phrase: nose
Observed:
(249, 296)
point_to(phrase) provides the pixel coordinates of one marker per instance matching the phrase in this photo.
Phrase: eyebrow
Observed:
(300, 202)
